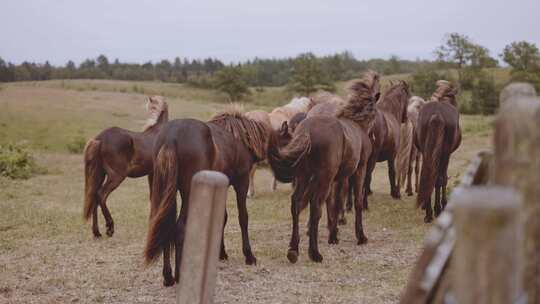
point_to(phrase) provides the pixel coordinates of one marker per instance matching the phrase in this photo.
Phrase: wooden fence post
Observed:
(486, 262)
(517, 164)
(203, 238)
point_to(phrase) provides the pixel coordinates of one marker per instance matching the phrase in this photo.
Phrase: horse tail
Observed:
(403, 159)
(163, 203)
(94, 175)
(284, 161)
(431, 153)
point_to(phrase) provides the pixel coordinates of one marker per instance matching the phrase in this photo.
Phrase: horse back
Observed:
(233, 158)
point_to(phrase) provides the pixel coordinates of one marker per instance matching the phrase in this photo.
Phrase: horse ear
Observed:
(284, 129)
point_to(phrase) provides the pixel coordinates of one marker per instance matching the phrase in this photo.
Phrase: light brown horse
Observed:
(408, 155)
(229, 143)
(438, 136)
(391, 113)
(274, 120)
(115, 154)
(326, 150)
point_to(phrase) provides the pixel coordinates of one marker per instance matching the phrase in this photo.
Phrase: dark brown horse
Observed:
(230, 143)
(323, 151)
(391, 113)
(438, 136)
(115, 154)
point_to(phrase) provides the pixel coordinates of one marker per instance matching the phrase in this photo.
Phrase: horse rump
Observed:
(284, 161)
(431, 153)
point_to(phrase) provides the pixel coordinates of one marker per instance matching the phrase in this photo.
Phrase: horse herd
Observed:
(325, 145)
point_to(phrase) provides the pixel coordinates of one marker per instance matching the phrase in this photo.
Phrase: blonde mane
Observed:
(445, 92)
(156, 106)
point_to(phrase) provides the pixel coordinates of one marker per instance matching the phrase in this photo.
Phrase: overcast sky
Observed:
(232, 30)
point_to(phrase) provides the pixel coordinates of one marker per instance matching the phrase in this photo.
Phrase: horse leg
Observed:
(429, 212)
(95, 226)
(437, 204)
(394, 190)
(181, 230)
(222, 253)
(409, 190)
(344, 191)
(297, 195)
(241, 188)
(443, 175)
(334, 209)
(168, 279)
(321, 194)
(359, 202)
(350, 195)
(417, 171)
(113, 181)
(251, 192)
(274, 184)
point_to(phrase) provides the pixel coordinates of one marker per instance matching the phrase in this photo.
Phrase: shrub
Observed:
(485, 98)
(16, 162)
(423, 83)
(76, 145)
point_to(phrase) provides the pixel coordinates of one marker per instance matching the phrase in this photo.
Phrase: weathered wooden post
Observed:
(202, 238)
(486, 262)
(517, 164)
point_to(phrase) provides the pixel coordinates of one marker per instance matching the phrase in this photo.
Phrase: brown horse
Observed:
(230, 143)
(115, 154)
(326, 150)
(438, 136)
(408, 155)
(391, 113)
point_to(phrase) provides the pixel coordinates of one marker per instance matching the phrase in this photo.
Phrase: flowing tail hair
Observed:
(161, 230)
(284, 161)
(431, 154)
(93, 177)
(403, 159)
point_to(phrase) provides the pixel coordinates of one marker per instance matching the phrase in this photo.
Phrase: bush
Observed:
(485, 98)
(76, 145)
(530, 77)
(16, 162)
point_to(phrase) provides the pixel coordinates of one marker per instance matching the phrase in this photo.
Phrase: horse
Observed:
(115, 154)
(438, 136)
(229, 143)
(274, 120)
(325, 150)
(391, 113)
(408, 155)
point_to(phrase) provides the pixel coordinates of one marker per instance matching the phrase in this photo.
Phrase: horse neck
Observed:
(162, 119)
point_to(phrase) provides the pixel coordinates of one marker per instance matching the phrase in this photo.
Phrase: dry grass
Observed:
(48, 255)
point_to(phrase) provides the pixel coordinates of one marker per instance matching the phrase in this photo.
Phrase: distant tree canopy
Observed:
(200, 72)
(307, 76)
(229, 80)
(522, 56)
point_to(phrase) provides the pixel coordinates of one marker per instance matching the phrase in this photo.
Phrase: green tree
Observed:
(230, 81)
(307, 76)
(393, 66)
(424, 81)
(522, 56)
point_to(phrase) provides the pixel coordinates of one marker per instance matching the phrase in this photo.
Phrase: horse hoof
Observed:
(168, 280)
(428, 219)
(292, 255)
(333, 241)
(409, 193)
(110, 232)
(223, 256)
(315, 256)
(97, 235)
(251, 260)
(362, 240)
(342, 221)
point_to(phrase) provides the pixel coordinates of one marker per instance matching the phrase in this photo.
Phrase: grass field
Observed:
(48, 254)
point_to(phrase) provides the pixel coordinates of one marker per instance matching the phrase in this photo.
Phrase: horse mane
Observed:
(157, 108)
(360, 105)
(445, 92)
(253, 134)
(396, 88)
(302, 104)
